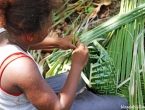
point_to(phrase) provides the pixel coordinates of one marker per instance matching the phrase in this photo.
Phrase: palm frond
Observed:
(118, 62)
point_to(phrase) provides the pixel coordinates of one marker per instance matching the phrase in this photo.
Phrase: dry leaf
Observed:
(103, 2)
(99, 3)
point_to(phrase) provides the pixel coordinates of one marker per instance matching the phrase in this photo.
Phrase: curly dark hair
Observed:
(20, 17)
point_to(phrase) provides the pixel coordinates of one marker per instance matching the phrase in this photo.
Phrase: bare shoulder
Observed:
(25, 74)
(22, 68)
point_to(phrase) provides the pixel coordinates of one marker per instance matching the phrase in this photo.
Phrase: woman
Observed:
(22, 86)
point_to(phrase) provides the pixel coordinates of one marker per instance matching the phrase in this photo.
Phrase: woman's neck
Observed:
(19, 42)
(24, 47)
(3, 40)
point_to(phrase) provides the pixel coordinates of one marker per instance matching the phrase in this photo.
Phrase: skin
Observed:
(3, 40)
(61, 43)
(47, 43)
(31, 82)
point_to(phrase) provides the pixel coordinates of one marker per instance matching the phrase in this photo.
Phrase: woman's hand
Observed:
(66, 43)
(80, 55)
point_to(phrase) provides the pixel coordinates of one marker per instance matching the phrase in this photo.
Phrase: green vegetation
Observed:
(116, 63)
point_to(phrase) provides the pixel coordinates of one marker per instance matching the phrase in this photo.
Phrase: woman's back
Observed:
(12, 101)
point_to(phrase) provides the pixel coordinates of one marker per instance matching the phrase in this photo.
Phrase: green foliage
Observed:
(126, 48)
(116, 65)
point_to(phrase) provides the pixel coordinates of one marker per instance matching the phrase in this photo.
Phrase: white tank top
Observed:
(8, 101)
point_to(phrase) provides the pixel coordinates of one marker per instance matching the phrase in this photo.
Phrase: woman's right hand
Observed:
(80, 55)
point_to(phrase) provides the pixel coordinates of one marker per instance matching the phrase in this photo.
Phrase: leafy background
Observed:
(113, 30)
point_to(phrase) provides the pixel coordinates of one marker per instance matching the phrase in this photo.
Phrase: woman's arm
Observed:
(36, 88)
(50, 43)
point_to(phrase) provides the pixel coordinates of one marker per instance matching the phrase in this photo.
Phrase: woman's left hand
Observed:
(66, 43)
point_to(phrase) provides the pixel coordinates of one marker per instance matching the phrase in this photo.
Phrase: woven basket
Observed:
(100, 70)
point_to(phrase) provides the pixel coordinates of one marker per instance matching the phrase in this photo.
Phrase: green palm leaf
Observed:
(117, 65)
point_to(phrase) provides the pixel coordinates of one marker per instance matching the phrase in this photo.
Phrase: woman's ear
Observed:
(29, 38)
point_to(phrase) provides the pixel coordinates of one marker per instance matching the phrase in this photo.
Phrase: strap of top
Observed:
(2, 30)
(8, 60)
